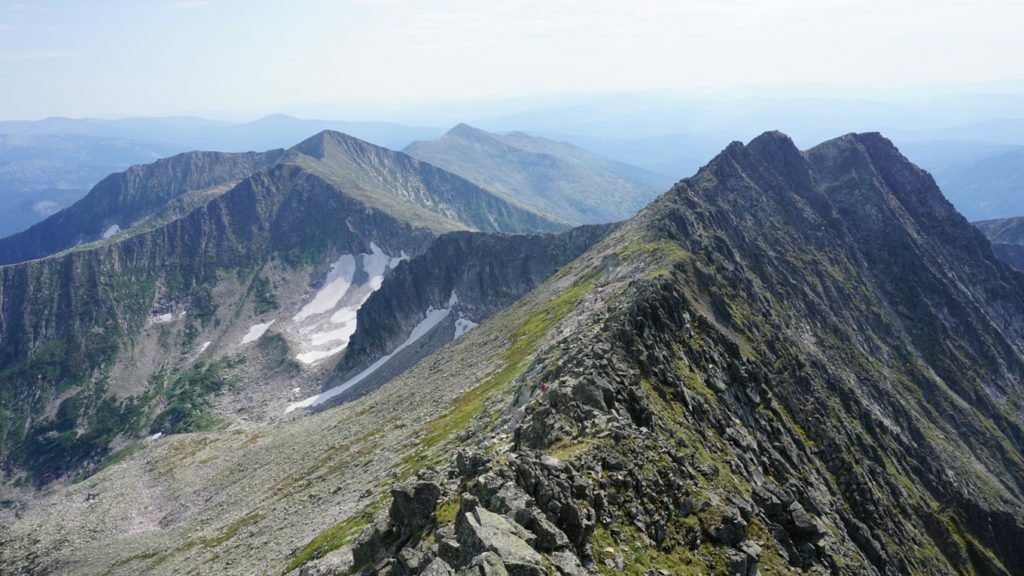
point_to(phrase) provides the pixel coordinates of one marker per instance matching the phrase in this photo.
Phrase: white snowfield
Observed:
(323, 327)
(463, 325)
(256, 331)
(111, 231)
(434, 317)
(162, 318)
(204, 346)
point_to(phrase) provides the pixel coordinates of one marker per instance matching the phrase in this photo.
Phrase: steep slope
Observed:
(122, 199)
(791, 360)
(1007, 237)
(789, 363)
(106, 342)
(50, 164)
(554, 178)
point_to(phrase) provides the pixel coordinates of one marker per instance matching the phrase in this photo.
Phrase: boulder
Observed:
(481, 530)
(728, 526)
(412, 507)
(438, 567)
(370, 544)
(486, 564)
(548, 536)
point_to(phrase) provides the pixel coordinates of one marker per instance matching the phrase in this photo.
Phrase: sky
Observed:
(236, 59)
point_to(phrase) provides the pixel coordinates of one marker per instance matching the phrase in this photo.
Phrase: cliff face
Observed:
(477, 274)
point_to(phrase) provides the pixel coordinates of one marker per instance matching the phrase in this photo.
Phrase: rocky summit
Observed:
(791, 362)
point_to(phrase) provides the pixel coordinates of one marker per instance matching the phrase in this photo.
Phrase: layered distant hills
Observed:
(987, 187)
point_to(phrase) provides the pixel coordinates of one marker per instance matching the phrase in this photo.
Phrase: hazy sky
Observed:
(217, 57)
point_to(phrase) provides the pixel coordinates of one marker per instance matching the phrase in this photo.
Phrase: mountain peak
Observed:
(772, 138)
(777, 150)
(464, 130)
(317, 145)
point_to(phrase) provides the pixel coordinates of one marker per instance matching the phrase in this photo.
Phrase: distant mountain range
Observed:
(555, 178)
(46, 165)
(794, 361)
(986, 187)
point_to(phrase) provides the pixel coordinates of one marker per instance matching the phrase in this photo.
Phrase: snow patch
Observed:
(156, 436)
(314, 356)
(337, 283)
(111, 231)
(463, 325)
(256, 331)
(163, 318)
(434, 317)
(204, 346)
(323, 327)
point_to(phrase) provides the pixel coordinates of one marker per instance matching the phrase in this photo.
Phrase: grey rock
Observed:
(437, 567)
(412, 560)
(448, 548)
(803, 523)
(484, 531)
(369, 545)
(549, 537)
(412, 507)
(568, 564)
(730, 529)
(486, 564)
(470, 463)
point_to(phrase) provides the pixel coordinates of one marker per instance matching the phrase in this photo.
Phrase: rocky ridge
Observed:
(799, 399)
(125, 198)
